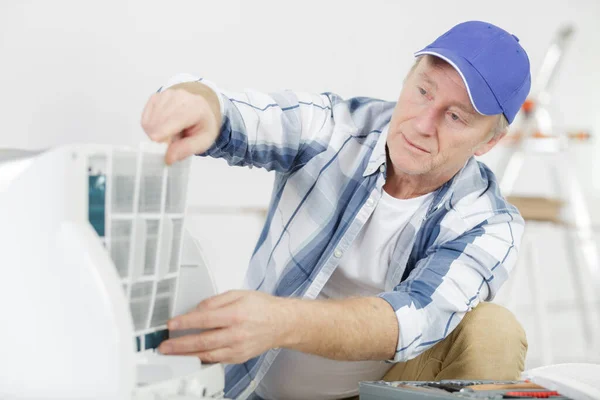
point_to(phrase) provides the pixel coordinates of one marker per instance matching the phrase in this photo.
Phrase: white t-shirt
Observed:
(361, 272)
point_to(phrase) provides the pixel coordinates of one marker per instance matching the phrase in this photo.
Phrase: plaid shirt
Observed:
(329, 156)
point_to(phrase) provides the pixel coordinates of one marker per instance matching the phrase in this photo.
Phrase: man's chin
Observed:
(414, 172)
(409, 169)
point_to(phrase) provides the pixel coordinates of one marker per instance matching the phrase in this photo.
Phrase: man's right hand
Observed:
(187, 116)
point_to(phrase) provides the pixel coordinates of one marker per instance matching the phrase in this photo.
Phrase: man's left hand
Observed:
(239, 325)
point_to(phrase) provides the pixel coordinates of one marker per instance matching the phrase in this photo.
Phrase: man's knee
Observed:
(489, 343)
(491, 325)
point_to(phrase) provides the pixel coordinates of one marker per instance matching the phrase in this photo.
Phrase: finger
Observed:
(203, 319)
(167, 125)
(221, 300)
(199, 343)
(147, 112)
(224, 355)
(174, 113)
(183, 147)
(179, 136)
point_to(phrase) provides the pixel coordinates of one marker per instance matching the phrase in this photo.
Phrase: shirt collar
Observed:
(378, 156)
(466, 181)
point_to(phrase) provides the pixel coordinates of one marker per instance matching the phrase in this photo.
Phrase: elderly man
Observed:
(383, 234)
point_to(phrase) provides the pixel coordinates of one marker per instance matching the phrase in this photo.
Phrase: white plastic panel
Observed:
(120, 240)
(163, 304)
(151, 246)
(151, 183)
(145, 220)
(177, 182)
(124, 165)
(166, 248)
(141, 298)
(176, 244)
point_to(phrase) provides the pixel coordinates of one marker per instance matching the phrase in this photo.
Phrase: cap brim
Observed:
(482, 97)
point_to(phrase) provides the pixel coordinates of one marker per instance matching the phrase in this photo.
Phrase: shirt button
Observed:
(253, 384)
(370, 202)
(382, 168)
(338, 253)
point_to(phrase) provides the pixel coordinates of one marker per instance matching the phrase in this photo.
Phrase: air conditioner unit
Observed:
(95, 259)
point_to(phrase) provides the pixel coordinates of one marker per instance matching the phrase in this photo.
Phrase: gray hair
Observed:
(501, 126)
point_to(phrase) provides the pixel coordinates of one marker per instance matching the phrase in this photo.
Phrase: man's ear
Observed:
(489, 144)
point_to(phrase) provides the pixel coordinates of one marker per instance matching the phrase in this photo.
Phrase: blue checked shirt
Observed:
(330, 162)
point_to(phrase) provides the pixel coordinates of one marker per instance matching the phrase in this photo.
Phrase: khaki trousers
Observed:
(488, 344)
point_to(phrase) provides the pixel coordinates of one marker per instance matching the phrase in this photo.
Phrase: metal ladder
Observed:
(536, 138)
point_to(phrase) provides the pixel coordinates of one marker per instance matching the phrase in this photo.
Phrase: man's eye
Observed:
(422, 91)
(455, 117)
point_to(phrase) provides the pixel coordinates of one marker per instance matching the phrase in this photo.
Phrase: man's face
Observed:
(434, 129)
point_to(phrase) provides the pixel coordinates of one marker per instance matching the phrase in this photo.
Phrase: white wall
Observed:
(80, 71)
(75, 71)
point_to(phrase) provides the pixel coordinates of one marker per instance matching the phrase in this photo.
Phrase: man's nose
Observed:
(425, 122)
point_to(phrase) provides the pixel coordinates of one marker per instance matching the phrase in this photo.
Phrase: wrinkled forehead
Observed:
(439, 74)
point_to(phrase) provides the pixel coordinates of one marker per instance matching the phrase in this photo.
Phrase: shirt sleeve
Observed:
(279, 131)
(451, 280)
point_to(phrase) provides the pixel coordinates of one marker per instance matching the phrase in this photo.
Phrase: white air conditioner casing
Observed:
(95, 259)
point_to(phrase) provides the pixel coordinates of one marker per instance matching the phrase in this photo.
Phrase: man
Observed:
(383, 231)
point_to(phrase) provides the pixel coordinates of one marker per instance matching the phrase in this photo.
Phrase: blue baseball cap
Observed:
(491, 62)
